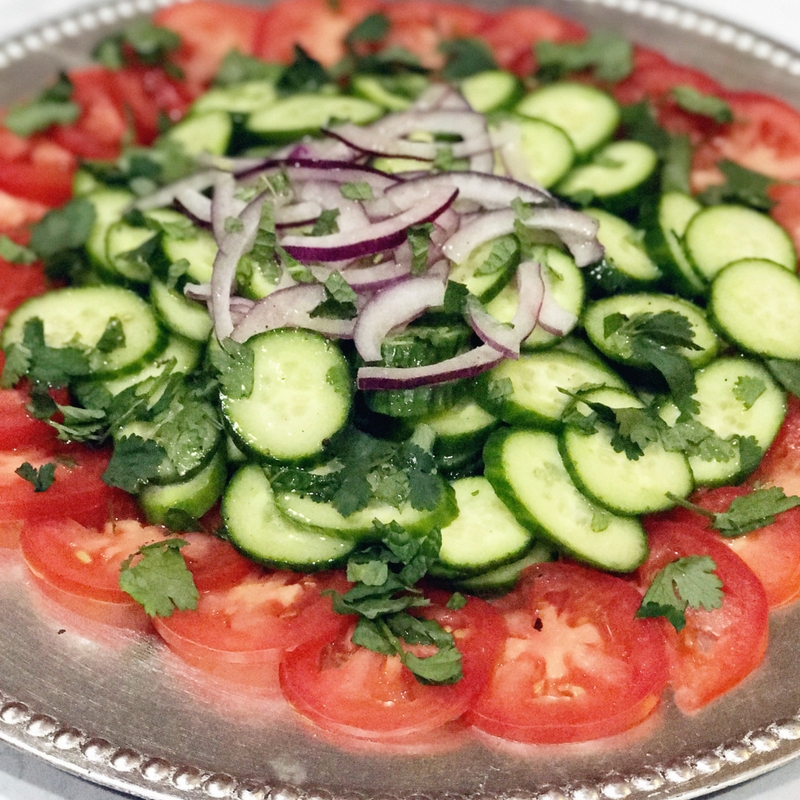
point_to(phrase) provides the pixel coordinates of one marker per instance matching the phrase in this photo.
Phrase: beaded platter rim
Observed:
(45, 732)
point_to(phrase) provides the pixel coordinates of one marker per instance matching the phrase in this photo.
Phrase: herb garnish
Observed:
(53, 106)
(41, 479)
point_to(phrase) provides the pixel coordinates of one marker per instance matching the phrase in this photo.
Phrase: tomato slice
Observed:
(781, 463)
(239, 631)
(19, 282)
(717, 649)
(577, 664)
(209, 31)
(786, 211)
(319, 27)
(512, 35)
(16, 213)
(359, 693)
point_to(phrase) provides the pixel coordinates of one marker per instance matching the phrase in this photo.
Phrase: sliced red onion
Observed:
(504, 337)
(394, 308)
(223, 205)
(291, 308)
(465, 365)
(440, 95)
(232, 247)
(366, 280)
(195, 203)
(296, 214)
(166, 195)
(351, 216)
(478, 230)
(375, 238)
(554, 318)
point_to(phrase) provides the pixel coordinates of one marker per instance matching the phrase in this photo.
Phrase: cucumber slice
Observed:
(526, 470)
(79, 316)
(756, 303)
(535, 389)
(176, 505)
(460, 429)
(262, 533)
(503, 579)
(301, 397)
(615, 177)
(488, 268)
(617, 345)
(533, 150)
(197, 247)
(122, 240)
(180, 315)
(393, 92)
(624, 485)
(241, 98)
(626, 266)
(359, 526)
(109, 206)
(301, 114)
(587, 115)
(727, 410)
(491, 90)
(484, 535)
(206, 132)
(720, 235)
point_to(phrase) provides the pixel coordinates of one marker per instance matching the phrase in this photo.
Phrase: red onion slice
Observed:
(375, 238)
(394, 308)
(465, 365)
(166, 195)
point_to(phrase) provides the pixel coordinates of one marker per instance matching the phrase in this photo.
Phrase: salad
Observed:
(434, 367)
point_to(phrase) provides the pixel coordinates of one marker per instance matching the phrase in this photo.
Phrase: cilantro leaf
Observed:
(419, 238)
(373, 28)
(340, 299)
(304, 74)
(688, 582)
(741, 185)
(65, 228)
(748, 389)
(327, 222)
(53, 106)
(465, 57)
(608, 55)
(134, 462)
(15, 253)
(356, 190)
(706, 105)
(141, 42)
(233, 365)
(159, 580)
(41, 479)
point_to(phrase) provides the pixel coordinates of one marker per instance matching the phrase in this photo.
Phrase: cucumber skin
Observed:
(494, 473)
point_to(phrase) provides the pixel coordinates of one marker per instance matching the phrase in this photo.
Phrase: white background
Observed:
(23, 777)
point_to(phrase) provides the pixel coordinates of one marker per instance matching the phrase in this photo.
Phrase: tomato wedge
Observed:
(717, 649)
(356, 692)
(244, 626)
(577, 664)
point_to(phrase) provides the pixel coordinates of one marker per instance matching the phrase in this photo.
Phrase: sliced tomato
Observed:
(577, 664)
(513, 33)
(35, 168)
(209, 31)
(18, 282)
(717, 649)
(786, 211)
(420, 26)
(102, 127)
(356, 692)
(319, 27)
(16, 213)
(79, 566)
(18, 429)
(781, 463)
(147, 94)
(240, 631)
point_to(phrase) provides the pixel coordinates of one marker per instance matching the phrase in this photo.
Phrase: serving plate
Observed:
(120, 710)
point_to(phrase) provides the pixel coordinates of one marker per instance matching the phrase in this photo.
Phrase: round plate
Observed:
(120, 710)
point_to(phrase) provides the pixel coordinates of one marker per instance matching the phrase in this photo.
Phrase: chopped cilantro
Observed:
(41, 479)
(741, 185)
(159, 579)
(608, 55)
(419, 239)
(357, 190)
(373, 28)
(504, 252)
(688, 582)
(465, 57)
(65, 228)
(53, 106)
(327, 222)
(304, 74)
(706, 105)
(383, 595)
(15, 253)
(134, 462)
(141, 42)
(748, 389)
(786, 372)
(113, 336)
(233, 365)
(237, 67)
(340, 299)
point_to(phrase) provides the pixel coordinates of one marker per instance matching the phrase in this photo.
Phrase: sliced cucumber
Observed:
(241, 98)
(301, 396)
(503, 579)
(587, 115)
(262, 533)
(182, 316)
(203, 132)
(719, 235)
(526, 470)
(488, 268)
(484, 535)
(491, 90)
(79, 316)
(109, 206)
(756, 303)
(610, 477)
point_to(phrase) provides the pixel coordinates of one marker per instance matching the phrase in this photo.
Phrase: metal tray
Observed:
(120, 710)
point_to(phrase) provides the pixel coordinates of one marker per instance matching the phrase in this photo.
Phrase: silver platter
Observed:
(120, 710)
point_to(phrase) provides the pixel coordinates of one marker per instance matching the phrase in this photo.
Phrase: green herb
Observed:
(53, 106)
(372, 29)
(748, 389)
(63, 229)
(504, 252)
(134, 462)
(113, 336)
(141, 42)
(41, 479)
(233, 365)
(465, 57)
(340, 299)
(79, 424)
(419, 239)
(705, 105)
(609, 56)
(786, 372)
(741, 185)
(385, 576)
(456, 296)
(657, 340)
(304, 74)
(160, 581)
(359, 190)
(15, 253)
(682, 584)
(326, 223)
(239, 68)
